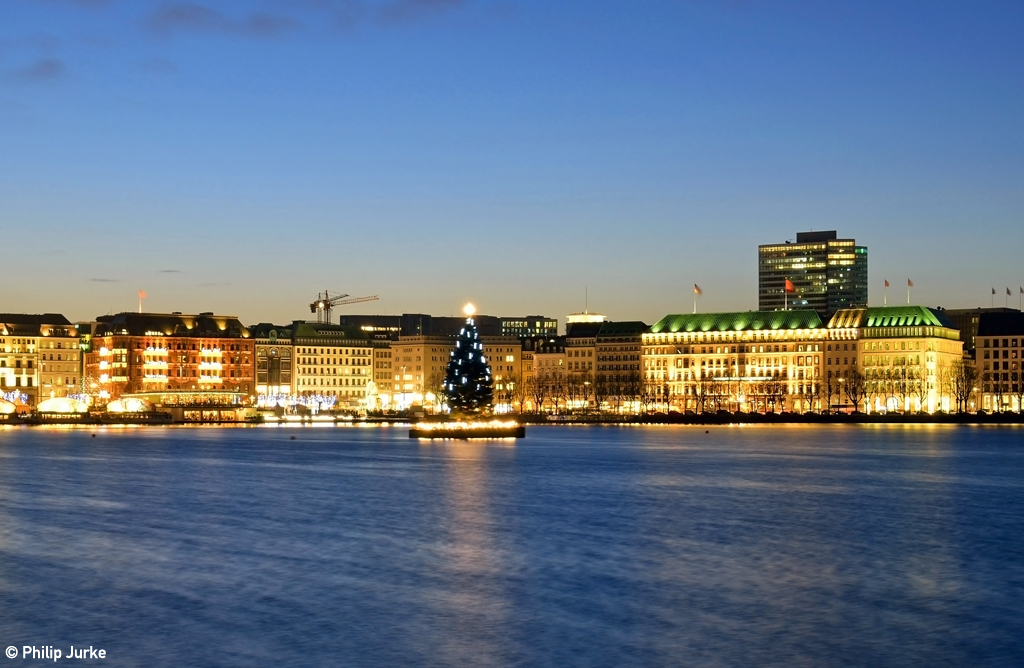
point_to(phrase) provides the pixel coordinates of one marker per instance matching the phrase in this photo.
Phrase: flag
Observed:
(697, 290)
(887, 282)
(1008, 293)
(142, 294)
(993, 290)
(789, 286)
(910, 283)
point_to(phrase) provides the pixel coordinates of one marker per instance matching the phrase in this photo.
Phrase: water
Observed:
(578, 546)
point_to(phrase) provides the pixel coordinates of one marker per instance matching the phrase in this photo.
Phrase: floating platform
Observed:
(465, 430)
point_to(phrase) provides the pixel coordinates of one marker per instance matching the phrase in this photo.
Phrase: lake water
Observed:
(578, 546)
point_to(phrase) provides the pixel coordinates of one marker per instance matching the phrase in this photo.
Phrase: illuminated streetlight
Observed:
(469, 309)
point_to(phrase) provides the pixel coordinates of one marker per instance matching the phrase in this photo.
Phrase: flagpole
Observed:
(885, 294)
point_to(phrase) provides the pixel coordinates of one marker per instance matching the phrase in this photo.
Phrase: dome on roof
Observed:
(62, 405)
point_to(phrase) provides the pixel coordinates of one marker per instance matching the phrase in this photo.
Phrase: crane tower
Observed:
(325, 303)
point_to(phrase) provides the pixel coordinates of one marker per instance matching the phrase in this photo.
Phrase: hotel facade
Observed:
(170, 358)
(40, 357)
(867, 359)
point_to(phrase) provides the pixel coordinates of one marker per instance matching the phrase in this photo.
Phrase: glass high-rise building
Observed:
(826, 273)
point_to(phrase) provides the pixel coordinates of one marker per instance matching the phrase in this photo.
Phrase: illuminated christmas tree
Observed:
(467, 383)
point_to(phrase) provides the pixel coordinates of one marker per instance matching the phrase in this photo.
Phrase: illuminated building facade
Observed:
(332, 361)
(1000, 355)
(902, 354)
(418, 366)
(169, 354)
(546, 391)
(275, 360)
(40, 357)
(420, 324)
(383, 372)
(827, 274)
(618, 349)
(748, 361)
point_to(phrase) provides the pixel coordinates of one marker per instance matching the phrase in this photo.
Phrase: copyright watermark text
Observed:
(52, 653)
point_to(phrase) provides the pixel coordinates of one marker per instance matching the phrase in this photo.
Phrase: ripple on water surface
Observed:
(578, 546)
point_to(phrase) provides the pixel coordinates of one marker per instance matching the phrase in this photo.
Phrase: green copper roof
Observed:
(890, 316)
(735, 322)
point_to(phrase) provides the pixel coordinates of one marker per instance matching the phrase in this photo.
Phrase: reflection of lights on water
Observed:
(462, 426)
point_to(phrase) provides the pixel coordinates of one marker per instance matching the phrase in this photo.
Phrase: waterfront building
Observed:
(418, 366)
(826, 274)
(746, 361)
(968, 320)
(899, 357)
(547, 389)
(1000, 355)
(332, 361)
(584, 317)
(383, 374)
(420, 324)
(275, 359)
(173, 357)
(40, 357)
(618, 347)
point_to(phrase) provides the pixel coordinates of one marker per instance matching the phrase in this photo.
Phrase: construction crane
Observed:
(325, 302)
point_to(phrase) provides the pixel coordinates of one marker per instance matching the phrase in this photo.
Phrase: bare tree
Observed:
(920, 387)
(632, 387)
(962, 376)
(557, 389)
(601, 386)
(573, 387)
(901, 381)
(1017, 388)
(830, 389)
(778, 390)
(702, 389)
(587, 390)
(539, 391)
(854, 386)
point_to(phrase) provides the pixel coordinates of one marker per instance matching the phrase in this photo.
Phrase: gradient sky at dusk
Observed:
(241, 156)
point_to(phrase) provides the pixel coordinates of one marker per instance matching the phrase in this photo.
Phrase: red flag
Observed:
(697, 290)
(142, 294)
(910, 283)
(887, 282)
(789, 286)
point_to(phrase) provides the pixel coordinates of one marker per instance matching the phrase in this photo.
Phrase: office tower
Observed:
(819, 272)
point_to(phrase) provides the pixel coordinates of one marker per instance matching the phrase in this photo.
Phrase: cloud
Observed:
(105, 280)
(170, 271)
(44, 69)
(215, 285)
(192, 17)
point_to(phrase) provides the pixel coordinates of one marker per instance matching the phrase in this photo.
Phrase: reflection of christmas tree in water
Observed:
(467, 383)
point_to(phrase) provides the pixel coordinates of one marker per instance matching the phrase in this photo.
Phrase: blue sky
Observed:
(241, 156)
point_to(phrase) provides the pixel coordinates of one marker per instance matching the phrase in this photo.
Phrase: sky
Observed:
(532, 157)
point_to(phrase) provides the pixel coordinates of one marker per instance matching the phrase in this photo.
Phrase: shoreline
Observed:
(704, 419)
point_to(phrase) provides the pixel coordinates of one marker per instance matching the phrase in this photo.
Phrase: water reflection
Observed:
(584, 546)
